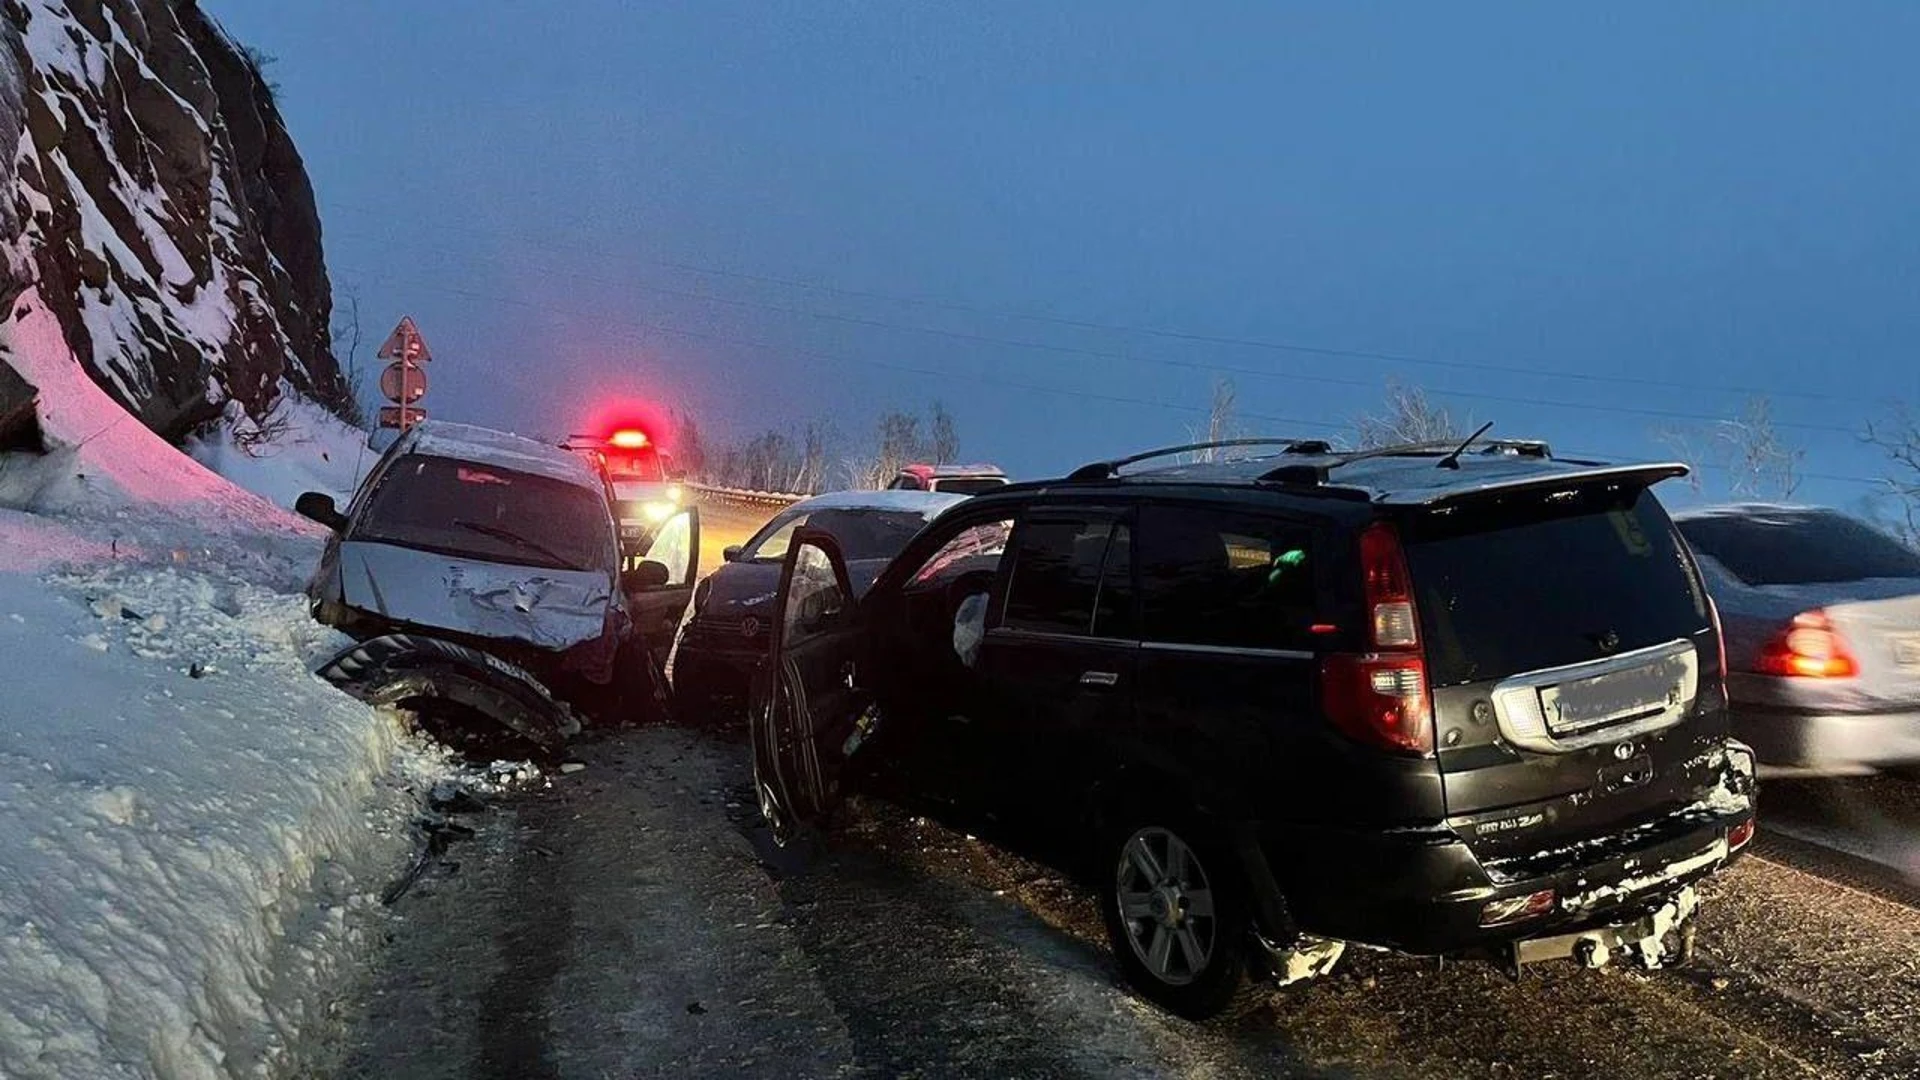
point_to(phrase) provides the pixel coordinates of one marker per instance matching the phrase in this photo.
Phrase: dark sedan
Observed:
(725, 634)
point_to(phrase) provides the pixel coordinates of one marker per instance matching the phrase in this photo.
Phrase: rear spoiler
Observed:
(1642, 475)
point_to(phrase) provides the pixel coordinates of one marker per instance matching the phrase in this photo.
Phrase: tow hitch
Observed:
(1661, 938)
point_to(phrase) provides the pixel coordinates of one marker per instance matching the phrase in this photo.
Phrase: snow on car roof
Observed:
(1750, 510)
(946, 471)
(928, 504)
(502, 449)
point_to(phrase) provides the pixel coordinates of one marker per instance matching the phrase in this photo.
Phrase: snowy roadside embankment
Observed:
(301, 447)
(192, 825)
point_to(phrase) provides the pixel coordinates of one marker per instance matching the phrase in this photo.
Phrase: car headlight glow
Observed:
(658, 510)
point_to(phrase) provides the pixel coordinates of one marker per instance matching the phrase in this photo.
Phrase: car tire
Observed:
(1178, 914)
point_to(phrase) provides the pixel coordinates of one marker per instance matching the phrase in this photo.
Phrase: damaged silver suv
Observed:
(481, 574)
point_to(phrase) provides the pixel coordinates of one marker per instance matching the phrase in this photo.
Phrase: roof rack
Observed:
(1319, 472)
(1107, 470)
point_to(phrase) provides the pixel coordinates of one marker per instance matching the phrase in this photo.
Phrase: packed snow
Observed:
(301, 447)
(193, 828)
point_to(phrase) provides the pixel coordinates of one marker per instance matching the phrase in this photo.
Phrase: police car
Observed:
(641, 481)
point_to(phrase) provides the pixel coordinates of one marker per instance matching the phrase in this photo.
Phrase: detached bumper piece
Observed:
(1660, 938)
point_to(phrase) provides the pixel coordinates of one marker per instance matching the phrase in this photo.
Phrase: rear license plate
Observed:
(1614, 697)
(1906, 650)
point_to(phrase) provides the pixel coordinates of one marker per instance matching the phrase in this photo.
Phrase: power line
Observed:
(1191, 336)
(1074, 350)
(637, 327)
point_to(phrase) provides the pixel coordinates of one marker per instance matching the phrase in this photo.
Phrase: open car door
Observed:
(807, 698)
(657, 600)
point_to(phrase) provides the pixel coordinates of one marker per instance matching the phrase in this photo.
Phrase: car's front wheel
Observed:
(1178, 916)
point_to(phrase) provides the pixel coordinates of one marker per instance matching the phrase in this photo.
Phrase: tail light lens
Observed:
(1810, 648)
(1389, 588)
(1739, 835)
(1515, 908)
(1381, 698)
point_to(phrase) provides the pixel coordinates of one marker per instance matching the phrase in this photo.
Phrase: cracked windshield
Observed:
(939, 540)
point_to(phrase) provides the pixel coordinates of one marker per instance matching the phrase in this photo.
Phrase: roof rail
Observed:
(1319, 472)
(1107, 470)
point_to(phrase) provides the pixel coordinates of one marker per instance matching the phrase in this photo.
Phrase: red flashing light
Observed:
(1810, 648)
(629, 439)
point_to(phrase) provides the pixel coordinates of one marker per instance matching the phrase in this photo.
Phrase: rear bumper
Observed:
(1833, 741)
(1424, 891)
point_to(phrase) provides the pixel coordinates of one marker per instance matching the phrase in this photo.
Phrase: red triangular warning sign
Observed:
(405, 343)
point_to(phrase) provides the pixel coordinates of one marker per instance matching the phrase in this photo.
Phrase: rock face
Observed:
(158, 205)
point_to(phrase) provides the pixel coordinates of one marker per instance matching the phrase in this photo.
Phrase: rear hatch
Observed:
(1573, 661)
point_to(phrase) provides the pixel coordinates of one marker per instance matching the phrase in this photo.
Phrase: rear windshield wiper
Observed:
(517, 540)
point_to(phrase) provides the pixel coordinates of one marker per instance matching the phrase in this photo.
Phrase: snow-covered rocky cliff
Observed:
(155, 206)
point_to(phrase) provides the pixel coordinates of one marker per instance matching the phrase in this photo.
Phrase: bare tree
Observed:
(1685, 445)
(1899, 439)
(1221, 423)
(346, 328)
(1409, 417)
(943, 440)
(1759, 463)
(810, 473)
(689, 451)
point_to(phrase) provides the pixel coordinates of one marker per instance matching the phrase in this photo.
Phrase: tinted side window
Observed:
(974, 548)
(1056, 576)
(1228, 578)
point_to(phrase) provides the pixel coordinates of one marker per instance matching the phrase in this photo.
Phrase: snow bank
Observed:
(301, 447)
(174, 785)
(191, 824)
(102, 459)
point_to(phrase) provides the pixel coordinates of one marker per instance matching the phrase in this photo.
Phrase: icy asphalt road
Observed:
(623, 924)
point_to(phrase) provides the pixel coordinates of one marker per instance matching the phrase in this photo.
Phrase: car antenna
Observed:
(1452, 461)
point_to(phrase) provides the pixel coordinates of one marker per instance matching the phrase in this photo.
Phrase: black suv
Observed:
(1426, 698)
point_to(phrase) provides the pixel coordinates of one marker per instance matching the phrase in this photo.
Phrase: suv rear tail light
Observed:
(1739, 835)
(1808, 647)
(1381, 697)
(1389, 590)
(1515, 908)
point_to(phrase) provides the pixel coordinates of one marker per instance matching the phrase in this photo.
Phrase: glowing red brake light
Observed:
(1810, 648)
(1381, 697)
(629, 439)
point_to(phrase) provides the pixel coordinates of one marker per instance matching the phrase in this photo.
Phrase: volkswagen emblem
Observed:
(1608, 641)
(750, 626)
(1623, 751)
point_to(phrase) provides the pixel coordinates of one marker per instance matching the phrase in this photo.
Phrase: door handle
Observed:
(1100, 678)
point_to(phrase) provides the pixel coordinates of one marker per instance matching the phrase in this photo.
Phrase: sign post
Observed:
(404, 381)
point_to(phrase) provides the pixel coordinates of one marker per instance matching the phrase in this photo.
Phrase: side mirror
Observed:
(318, 506)
(732, 553)
(645, 576)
